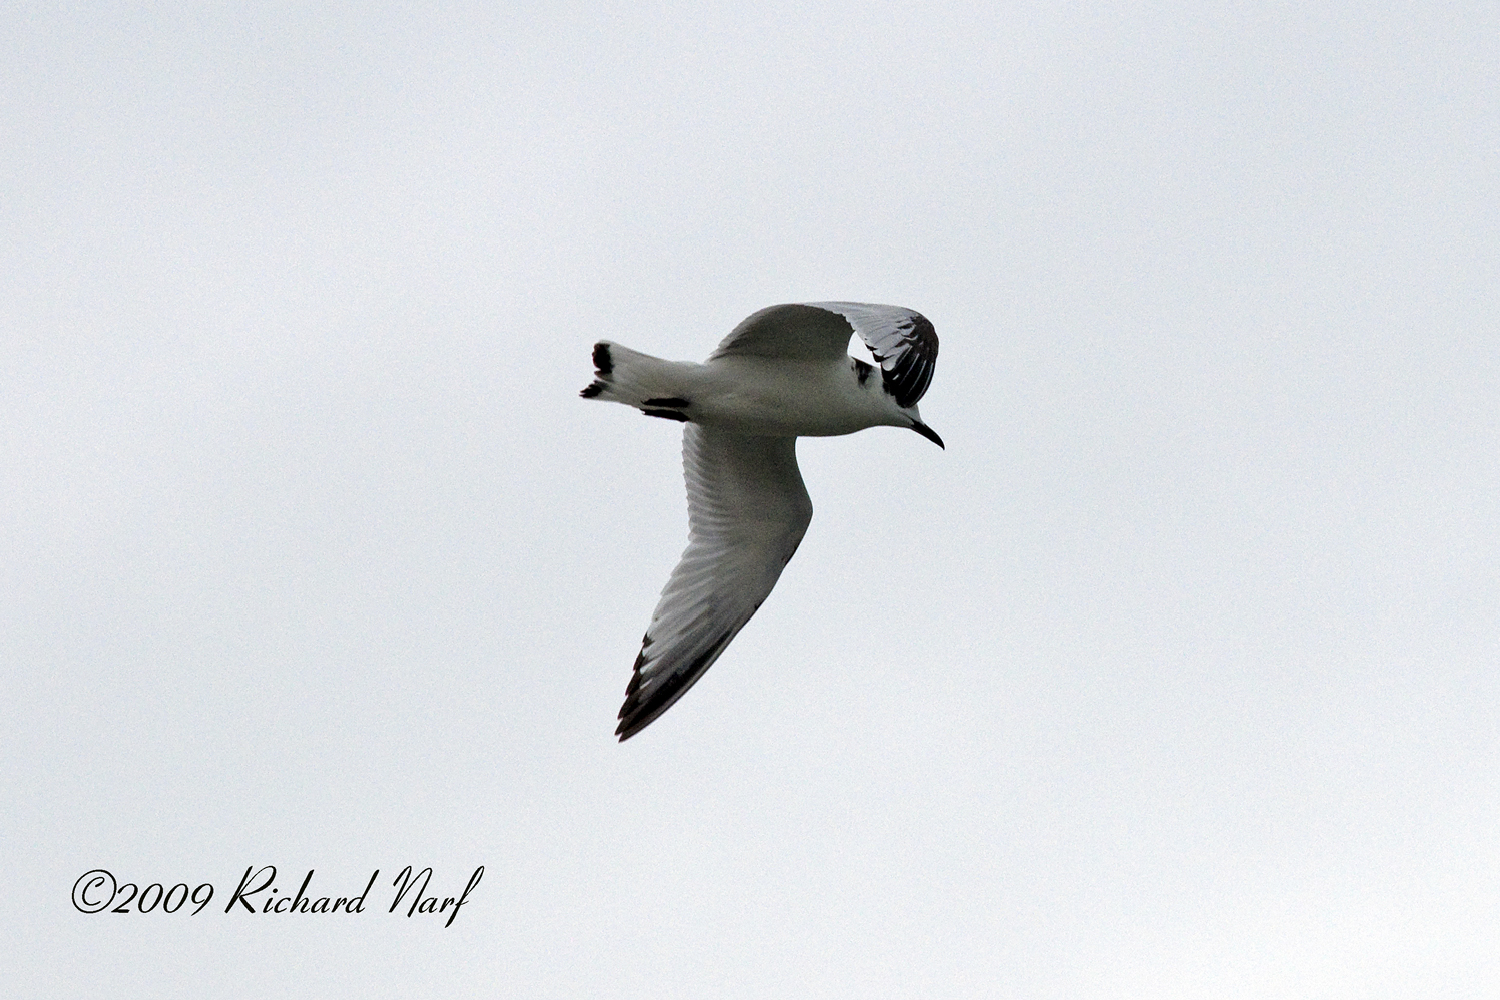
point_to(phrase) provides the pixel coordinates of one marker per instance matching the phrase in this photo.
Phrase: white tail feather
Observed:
(639, 380)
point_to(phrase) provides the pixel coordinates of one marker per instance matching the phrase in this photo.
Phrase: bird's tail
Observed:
(655, 387)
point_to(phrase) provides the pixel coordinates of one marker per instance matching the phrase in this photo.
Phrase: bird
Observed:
(783, 373)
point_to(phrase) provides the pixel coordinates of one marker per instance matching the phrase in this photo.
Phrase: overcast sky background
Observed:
(1173, 676)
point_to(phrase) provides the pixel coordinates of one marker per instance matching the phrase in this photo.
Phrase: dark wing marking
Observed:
(747, 512)
(903, 342)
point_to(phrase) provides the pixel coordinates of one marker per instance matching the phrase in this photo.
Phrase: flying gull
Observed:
(782, 373)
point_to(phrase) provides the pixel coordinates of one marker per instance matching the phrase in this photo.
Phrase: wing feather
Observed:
(902, 340)
(791, 332)
(747, 512)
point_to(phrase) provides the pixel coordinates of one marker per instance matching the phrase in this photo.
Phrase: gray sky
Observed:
(1174, 676)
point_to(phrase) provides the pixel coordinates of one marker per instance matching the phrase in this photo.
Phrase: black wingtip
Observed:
(639, 712)
(590, 391)
(928, 433)
(630, 725)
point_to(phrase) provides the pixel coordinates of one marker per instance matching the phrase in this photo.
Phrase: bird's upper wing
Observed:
(747, 512)
(903, 341)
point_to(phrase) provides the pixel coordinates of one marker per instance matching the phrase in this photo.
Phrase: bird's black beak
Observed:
(928, 433)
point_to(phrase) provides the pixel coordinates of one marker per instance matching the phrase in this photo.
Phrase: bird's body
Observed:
(781, 374)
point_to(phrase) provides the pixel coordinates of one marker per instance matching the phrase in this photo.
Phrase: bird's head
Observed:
(881, 402)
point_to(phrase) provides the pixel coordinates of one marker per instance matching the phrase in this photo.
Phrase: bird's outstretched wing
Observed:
(902, 340)
(747, 512)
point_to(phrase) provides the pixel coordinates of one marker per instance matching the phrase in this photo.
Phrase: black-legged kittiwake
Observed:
(782, 373)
